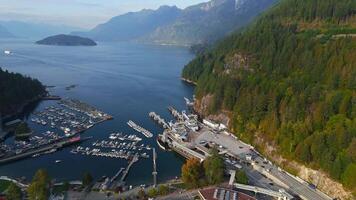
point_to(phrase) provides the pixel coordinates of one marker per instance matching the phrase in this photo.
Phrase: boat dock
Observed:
(51, 97)
(188, 102)
(154, 172)
(139, 129)
(158, 119)
(124, 174)
(116, 175)
(175, 113)
(46, 148)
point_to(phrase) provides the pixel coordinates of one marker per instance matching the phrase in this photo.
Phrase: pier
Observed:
(124, 174)
(188, 102)
(175, 113)
(51, 97)
(154, 172)
(139, 129)
(116, 175)
(158, 119)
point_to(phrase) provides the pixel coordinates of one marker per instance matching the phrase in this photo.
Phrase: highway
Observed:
(260, 167)
(301, 189)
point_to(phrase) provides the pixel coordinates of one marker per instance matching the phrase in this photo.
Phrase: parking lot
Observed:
(222, 142)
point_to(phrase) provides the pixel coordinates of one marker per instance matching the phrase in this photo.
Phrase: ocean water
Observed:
(125, 80)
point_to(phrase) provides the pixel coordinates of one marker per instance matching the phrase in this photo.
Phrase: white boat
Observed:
(58, 161)
(7, 52)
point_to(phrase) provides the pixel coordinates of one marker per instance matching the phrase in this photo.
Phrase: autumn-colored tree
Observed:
(192, 173)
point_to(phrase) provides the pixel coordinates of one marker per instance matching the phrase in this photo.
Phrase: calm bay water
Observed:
(124, 80)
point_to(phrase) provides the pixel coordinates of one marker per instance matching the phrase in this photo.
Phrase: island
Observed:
(66, 40)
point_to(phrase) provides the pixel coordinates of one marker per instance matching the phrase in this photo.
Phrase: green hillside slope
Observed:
(16, 91)
(290, 77)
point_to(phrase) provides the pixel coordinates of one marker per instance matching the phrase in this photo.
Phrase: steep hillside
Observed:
(289, 79)
(17, 90)
(133, 25)
(207, 22)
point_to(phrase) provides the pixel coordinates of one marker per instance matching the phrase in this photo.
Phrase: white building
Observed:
(210, 124)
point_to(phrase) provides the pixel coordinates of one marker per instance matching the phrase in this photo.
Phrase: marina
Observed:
(64, 122)
(119, 145)
(111, 88)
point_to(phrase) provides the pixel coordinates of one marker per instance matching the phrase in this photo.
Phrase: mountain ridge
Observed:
(288, 79)
(132, 25)
(4, 33)
(201, 23)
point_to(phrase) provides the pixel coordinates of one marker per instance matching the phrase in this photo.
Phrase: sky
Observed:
(78, 13)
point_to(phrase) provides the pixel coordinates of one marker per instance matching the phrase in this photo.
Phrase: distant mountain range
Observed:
(205, 22)
(21, 29)
(133, 25)
(4, 33)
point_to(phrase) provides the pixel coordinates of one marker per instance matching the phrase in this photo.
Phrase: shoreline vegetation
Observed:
(19, 91)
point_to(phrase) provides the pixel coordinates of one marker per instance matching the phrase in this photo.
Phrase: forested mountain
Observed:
(207, 22)
(289, 78)
(4, 33)
(133, 25)
(17, 90)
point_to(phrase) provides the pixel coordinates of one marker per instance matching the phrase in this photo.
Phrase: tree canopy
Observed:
(13, 192)
(192, 173)
(214, 168)
(87, 179)
(39, 188)
(16, 90)
(289, 78)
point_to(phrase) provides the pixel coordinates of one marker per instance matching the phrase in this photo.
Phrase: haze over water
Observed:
(125, 80)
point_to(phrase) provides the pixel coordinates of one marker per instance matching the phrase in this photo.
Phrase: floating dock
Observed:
(175, 113)
(158, 119)
(139, 129)
(124, 174)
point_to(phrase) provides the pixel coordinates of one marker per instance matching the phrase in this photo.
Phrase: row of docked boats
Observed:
(118, 145)
(121, 145)
(139, 129)
(158, 119)
(121, 154)
(70, 122)
(123, 137)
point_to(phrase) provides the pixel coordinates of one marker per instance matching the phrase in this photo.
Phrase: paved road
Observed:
(301, 189)
(240, 150)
